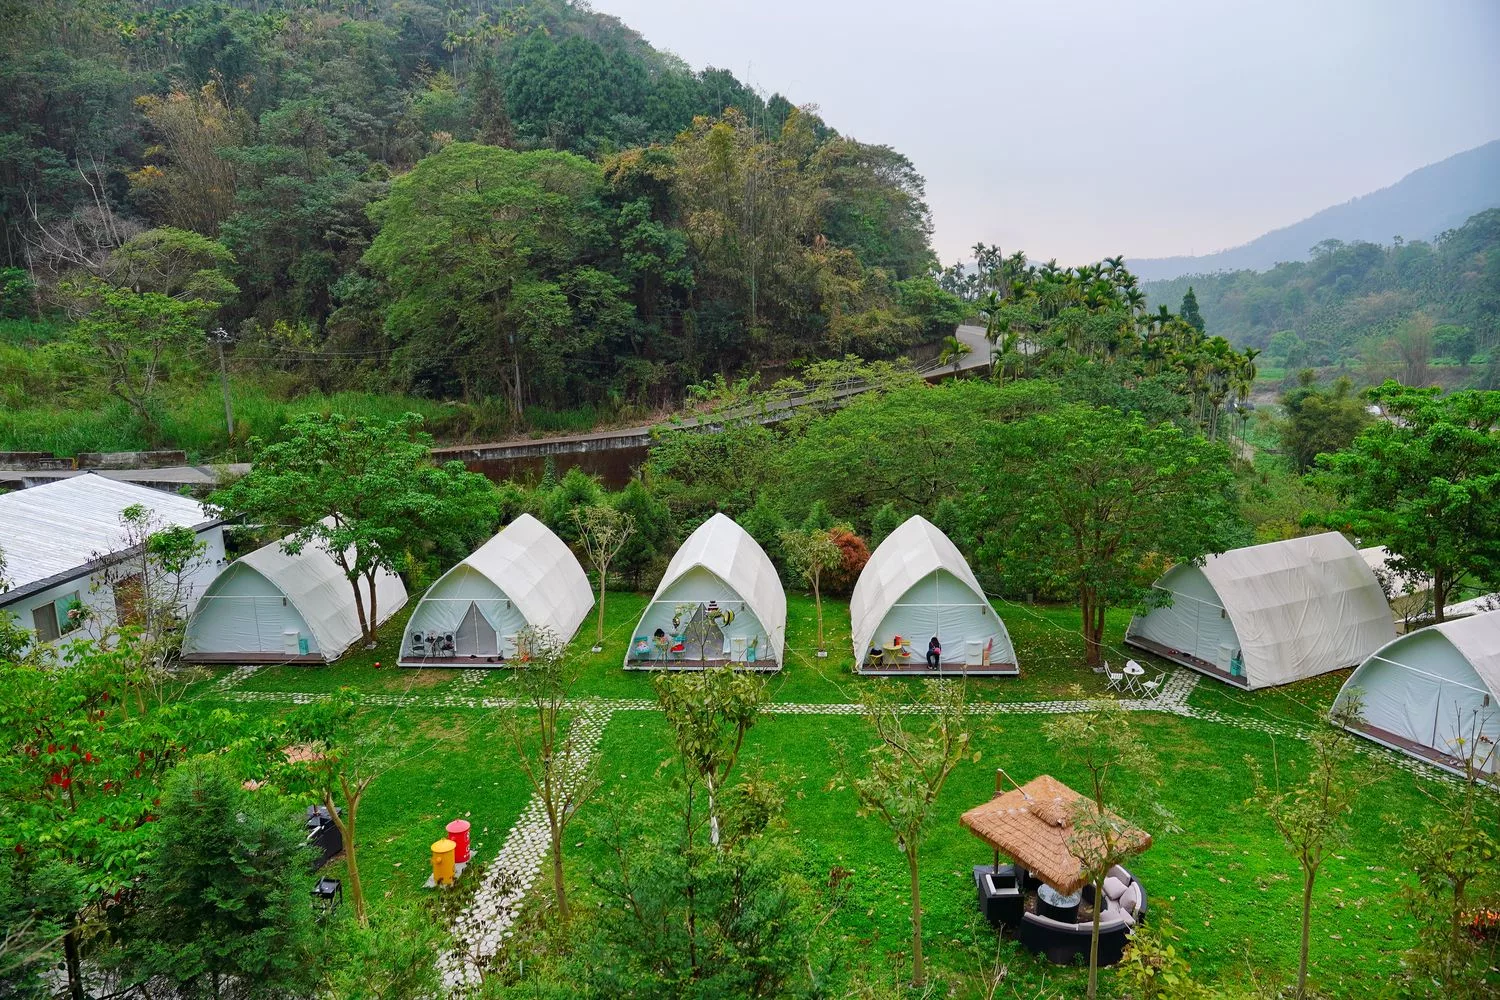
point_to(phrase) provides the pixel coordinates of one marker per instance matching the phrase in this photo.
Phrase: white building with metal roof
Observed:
(66, 549)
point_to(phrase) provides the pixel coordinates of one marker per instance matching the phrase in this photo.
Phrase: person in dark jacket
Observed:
(934, 653)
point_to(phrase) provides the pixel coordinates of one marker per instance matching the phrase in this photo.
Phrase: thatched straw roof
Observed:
(1034, 825)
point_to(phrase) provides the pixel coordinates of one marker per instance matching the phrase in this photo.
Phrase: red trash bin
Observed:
(458, 832)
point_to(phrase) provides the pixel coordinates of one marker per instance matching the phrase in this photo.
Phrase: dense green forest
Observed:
(1392, 308)
(516, 205)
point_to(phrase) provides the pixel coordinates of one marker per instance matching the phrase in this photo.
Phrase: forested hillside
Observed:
(520, 205)
(1399, 306)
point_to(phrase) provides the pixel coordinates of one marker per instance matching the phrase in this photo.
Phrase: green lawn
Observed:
(1217, 870)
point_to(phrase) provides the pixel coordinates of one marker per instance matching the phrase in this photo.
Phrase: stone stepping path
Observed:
(486, 923)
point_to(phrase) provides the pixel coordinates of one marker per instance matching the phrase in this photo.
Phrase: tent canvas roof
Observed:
(538, 572)
(1301, 607)
(1478, 639)
(52, 532)
(726, 550)
(1034, 825)
(909, 554)
(320, 592)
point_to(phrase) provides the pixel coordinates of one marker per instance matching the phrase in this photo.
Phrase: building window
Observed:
(57, 619)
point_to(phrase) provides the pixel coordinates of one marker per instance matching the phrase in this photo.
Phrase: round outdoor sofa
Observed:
(1002, 899)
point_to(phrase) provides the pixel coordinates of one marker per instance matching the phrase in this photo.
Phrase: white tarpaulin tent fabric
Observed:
(918, 585)
(1428, 690)
(1281, 611)
(719, 569)
(267, 604)
(523, 577)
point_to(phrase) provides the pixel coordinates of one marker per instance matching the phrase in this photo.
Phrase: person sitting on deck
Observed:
(934, 653)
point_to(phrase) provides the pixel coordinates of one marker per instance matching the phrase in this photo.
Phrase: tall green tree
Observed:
(224, 909)
(1189, 312)
(1096, 503)
(898, 780)
(1102, 742)
(1318, 420)
(1426, 484)
(489, 254)
(365, 492)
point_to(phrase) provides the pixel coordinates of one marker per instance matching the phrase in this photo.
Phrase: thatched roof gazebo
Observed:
(1033, 824)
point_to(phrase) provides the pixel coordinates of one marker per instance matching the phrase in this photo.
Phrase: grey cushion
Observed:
(1131, 900)
(1113, 888)
(1116, 871)
(1127, 919)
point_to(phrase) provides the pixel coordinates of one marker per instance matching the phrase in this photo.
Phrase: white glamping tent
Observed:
(270, 606)
(917, 585)
(1434, 692)
(1269, 614)
(474, 614)
(720, 601)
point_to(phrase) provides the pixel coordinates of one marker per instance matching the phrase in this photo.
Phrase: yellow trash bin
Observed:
(442, 861)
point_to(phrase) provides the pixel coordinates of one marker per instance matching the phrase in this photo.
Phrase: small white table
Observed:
(1133, 674)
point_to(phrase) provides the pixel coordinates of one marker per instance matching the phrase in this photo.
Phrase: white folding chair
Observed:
(1152, 688)
(1113, 681)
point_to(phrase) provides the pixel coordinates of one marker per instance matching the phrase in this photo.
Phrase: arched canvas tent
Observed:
(1269, 614)
(473, 615)
(274, 607)
(720, 601)
(917, 585)
(1434, 692)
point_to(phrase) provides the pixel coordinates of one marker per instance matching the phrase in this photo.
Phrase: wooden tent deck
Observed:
(1188, 660)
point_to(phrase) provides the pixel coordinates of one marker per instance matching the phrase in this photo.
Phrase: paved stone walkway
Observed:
(487, 923)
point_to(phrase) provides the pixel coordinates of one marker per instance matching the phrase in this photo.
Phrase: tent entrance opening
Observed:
(475, 636)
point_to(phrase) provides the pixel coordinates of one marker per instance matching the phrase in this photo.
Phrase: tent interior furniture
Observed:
(272, 606)
(1434, 694)
(917, 585)
(1269, 614)
(719, 603)
(1033, 824)
(479, 612)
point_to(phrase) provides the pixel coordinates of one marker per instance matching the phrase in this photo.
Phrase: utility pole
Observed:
(220, 337)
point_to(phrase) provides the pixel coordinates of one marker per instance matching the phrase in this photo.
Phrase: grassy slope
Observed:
(1217, 870)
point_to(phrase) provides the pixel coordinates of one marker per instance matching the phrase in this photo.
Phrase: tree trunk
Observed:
(818, 604)
(1307, 887)
(1094, 940)
(599, 627)
(374, 617)
(359, 609)
(557, 874)
(1093, 616)
(1438, 597)
(918, 969)
(346, 832)
(75, 969)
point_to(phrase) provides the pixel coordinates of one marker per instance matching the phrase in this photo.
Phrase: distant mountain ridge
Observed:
(1420, 205)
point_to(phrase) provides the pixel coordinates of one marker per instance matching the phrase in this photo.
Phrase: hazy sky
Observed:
(1083, 128)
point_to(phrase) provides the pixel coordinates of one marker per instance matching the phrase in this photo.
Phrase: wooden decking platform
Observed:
(1187, 660)
(1421, 751)
(759, 666)
(918, 666)
(250, 659)
(477, 662)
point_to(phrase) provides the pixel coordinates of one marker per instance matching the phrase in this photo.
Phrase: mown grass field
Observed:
(1217, 871)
